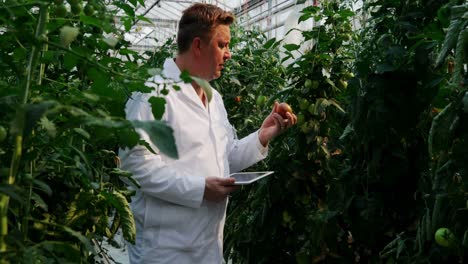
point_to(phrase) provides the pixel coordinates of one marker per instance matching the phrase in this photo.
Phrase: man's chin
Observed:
(216, 76)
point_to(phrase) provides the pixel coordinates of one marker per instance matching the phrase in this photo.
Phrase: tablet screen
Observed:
(249, 177)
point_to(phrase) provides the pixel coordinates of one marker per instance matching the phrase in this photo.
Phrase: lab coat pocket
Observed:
(154, 210)
(180, 227)
(186, 227)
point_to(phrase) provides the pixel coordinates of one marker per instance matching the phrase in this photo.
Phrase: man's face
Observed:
(215, 53)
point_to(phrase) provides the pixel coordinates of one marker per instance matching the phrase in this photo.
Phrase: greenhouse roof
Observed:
(163, 16)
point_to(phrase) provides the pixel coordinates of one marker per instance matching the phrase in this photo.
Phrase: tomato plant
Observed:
(62, 97)
(292, 203)
(378, 160)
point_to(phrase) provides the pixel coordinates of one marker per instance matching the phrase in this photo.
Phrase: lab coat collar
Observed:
(172, 71)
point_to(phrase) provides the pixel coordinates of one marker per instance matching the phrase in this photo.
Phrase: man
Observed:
(181, 206)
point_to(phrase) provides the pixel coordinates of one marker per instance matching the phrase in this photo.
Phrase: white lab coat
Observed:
(174, 224)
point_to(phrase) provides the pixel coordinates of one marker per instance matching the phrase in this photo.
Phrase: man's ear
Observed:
(196, 46)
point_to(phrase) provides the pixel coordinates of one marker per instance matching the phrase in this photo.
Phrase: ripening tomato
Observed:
(237, 99)
(283, 108)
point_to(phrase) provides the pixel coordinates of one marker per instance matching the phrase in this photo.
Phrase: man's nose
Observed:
(227, 55)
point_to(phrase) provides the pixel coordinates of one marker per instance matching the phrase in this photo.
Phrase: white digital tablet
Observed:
(249, 177)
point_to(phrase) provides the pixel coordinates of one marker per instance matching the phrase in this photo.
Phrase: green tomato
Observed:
(74, 2)
(303, 104)
(311, 109)
(444, 237)
(300, 119)
(261, 100)
(308, 83)
(28, 177)
(315, 84)
(76, 9)
(89, 9)
(58, 2)
(3, 133)
(61, 10)
(343, 84)
(348, 75)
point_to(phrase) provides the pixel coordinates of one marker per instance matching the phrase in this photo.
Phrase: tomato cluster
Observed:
(76, 7)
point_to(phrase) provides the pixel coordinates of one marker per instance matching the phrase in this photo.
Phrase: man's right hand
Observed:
(217, 189)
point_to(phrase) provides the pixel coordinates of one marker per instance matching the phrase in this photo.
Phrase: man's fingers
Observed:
(291, 119)
(274, 107)
(227, 181)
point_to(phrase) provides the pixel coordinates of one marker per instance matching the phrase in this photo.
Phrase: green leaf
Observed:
(305, 17)
(185, 77)
(461, 56)
(235, 80)
(126, 174)
(34, 112)
(49, 56)
(70, 61)
(13, 191)
(127, 23)
(345, 13)
(82, 132)
(122, 206)
(42, 186)
(158, 106)
(128, 138)
(84, 240)
(205, 85)
(147, 20)
(439, 134)
(91, 20)
(450, 40)
(127, 52)
(133, 2)
(142, 2)
(100, 82)
(126, 8)
(291, 47)
(443, 14)
(39, 202)
(385, 67)
(56, 247)
(348, 130)
(269, 43)
(49, 126)
(335, 104)
(161, 135)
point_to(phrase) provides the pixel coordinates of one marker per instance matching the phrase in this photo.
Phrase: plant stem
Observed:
(20, 119)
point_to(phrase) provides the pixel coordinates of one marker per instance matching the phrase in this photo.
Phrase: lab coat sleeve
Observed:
(243, 153)
(158, 178)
